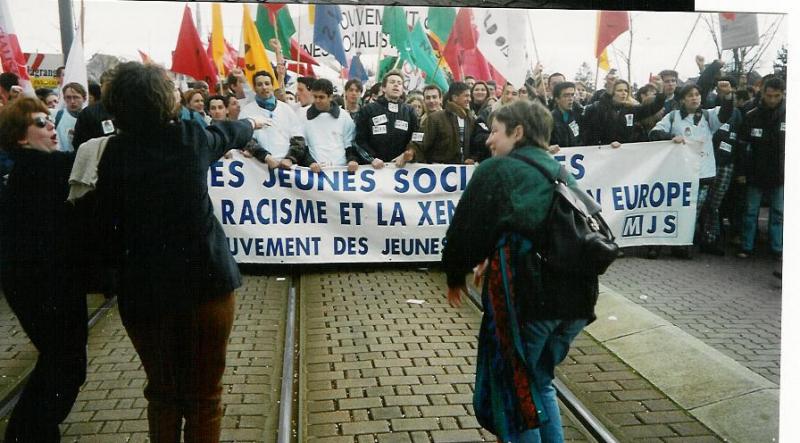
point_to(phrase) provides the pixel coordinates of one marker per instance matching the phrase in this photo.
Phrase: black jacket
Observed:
(606, 121)
(763, 135)
(383, 134)
(567, 133)
(153, 201)
(90, 124)
(35, 230)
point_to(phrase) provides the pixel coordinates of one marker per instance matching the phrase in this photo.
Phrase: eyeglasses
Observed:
(41, 122)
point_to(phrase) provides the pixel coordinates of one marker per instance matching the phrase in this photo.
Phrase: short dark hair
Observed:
(231, 80)
(43, 93)
(354, 81)
(15, 119)
(560, 87)
(456, 88)
(668, 73)
(307, 81)
(491, 83)
(8, 79)
(468, 77)
(535, 119)
(391, 73)
(434, 88)
(265, 74)
(140, 97)
(555, 74)
(77, 87)
(743, 94)
(222, 98)
(644, 90)
(322, 85)
(775, 83)
(685, 90)
(60, 71)
(94, 90)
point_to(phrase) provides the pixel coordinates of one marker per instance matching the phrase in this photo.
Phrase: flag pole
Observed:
(596, 73)
(687, 42)
(297, 56)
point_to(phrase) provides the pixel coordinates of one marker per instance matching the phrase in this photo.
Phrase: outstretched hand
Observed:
(454, 295)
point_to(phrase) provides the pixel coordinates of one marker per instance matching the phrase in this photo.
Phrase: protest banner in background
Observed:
(647, 190)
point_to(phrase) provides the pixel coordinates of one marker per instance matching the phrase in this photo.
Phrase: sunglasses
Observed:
(41, 122)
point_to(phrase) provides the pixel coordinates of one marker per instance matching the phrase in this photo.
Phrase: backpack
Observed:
(574, 238)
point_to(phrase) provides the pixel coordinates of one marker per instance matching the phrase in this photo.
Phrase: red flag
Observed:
(190, 57)
(10, 52)
(305, 57)
(463, 38)
(610, 24)
(302, 69)
(230, 57)
(474, 63)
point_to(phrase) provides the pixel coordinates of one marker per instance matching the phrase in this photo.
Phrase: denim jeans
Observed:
(546, 344)
(750, 222)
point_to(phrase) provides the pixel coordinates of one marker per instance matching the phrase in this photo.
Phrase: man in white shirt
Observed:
(327, 130)
(283, 129)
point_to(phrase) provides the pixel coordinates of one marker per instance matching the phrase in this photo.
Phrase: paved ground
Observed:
(377, 368)
(729, 303)
(111, 407)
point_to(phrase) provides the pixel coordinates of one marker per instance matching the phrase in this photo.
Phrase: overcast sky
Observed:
(564, 39)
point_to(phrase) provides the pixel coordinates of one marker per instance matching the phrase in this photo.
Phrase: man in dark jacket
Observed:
(386, 127)
(94, 121)
(763, 130)
(447, 132)
(567, 116)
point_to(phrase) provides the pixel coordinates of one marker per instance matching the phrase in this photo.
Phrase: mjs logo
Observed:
(653, 224)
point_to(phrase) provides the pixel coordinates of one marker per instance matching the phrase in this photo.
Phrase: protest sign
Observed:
(647, 191)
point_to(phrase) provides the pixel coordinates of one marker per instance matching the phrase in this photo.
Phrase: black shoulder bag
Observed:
(574, 238)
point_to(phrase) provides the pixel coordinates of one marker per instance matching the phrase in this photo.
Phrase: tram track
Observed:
(12, 395)
(291, 421)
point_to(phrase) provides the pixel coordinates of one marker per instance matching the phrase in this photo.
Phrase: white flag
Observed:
(75, 68)
(502, 38)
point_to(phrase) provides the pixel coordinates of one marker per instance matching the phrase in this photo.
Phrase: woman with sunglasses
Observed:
(38, 277)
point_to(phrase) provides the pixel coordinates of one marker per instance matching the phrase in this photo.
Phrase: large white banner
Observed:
(648, 192)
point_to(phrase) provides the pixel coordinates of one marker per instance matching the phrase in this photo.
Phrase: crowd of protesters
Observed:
(741, 128)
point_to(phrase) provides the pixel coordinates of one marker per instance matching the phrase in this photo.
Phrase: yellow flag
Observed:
(311, 11)
(603, 61)
(255, 56)
(217, 38)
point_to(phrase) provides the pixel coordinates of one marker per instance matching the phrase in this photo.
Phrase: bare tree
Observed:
(745, 59)
(626, 58)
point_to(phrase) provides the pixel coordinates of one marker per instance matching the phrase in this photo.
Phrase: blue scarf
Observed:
(267, 103)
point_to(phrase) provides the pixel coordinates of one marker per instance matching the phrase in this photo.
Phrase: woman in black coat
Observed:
(177, 275)
(613, 119)
(37, 273)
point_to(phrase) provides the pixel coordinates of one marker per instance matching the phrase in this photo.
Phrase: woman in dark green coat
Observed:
(524, 332)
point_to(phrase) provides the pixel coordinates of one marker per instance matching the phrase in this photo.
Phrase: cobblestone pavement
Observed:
(111, 406)
(630, 407)
(17, 354)
(378, 368)
(729, 303)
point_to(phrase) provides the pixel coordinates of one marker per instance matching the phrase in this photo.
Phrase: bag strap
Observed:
(579, 200)
(547, 174)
